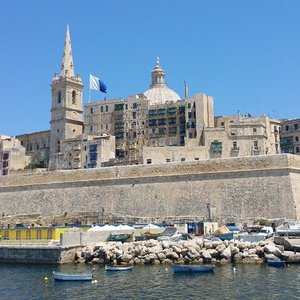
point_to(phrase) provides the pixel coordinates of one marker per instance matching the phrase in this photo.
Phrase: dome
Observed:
(159, 93)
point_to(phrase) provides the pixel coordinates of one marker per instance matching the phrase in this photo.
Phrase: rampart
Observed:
(237, 189)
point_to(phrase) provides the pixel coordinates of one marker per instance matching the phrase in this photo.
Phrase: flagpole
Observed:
(90, 88)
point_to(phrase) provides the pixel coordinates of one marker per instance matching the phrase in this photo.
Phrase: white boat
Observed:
(288, 228)
(72, 277)
(118, 267)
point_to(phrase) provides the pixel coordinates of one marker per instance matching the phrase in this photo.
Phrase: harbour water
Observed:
(22, 282)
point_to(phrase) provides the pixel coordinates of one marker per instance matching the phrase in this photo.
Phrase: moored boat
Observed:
(118, 267)
(193, 268)
(276, 263)
(119, 237)
(72, 277)
(288, 228)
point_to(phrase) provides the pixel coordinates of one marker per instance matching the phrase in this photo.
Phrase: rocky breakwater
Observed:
(192, 251)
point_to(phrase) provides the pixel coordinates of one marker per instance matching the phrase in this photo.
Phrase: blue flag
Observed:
(97, 84)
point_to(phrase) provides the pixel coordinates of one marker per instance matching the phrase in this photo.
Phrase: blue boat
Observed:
(193, 268)
(224, 236)
(276, 263)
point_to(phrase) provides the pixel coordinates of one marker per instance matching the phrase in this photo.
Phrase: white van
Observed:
(266, 231)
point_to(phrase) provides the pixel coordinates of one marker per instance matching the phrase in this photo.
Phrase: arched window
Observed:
(59, 97)
(74, 97)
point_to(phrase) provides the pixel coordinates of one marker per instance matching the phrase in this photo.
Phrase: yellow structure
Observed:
(35, 234)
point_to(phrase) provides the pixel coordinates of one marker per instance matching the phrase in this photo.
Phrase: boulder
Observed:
(214, 253)
(161, 256)
(206, 256)
(238, 257)
(226, 253)
(220, 247)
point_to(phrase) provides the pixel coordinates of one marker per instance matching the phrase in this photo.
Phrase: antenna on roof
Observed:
(186, 90)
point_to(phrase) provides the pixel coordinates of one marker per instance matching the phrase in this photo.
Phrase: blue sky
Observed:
(246, 54)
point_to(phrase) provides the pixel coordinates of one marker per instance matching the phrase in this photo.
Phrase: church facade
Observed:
(154, 126)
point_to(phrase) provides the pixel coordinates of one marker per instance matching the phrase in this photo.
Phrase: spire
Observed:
(67, 67)
(158, 75)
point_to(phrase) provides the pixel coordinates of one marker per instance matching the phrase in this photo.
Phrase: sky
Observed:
(245, 54)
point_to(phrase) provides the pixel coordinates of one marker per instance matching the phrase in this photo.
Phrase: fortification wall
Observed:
(238, 189)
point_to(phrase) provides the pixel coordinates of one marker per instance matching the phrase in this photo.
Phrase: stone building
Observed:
(12, 155)
(157, 127)
(154, 126)
(37, 145)
(290, 136)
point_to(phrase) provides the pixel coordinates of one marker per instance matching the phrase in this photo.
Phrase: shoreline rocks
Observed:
(195, 251)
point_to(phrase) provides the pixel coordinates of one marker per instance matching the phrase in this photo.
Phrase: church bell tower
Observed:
(66, 110)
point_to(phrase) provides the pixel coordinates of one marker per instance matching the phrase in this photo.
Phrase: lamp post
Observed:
(209, 211)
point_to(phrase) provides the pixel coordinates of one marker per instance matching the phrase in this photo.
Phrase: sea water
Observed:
(19, 281)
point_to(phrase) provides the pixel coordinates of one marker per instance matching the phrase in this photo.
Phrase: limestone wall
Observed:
(238, 189)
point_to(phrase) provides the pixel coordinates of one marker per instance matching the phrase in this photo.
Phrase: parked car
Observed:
(266, 231)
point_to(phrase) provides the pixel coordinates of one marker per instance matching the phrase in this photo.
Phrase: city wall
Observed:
(238, 189)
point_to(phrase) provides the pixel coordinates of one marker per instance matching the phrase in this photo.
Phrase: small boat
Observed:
(119, 237)
(223, 233)
(193, 268)
(72, 277)
(118, 267)
(288, 228)
(276, 263)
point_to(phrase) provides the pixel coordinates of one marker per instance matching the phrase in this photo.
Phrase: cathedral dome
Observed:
(159, 93)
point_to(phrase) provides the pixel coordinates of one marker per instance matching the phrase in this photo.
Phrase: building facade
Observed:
(154, 126)
(12, 155)
(290, 136)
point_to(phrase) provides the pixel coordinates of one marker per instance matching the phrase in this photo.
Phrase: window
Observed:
(254, 130)
(106, 108)
(5, 156)
(168, 160)
(286, 127)
(234, 145)
(216, 146)
(296, 138)
(222, 123)
(39, 234)
(92, 110)
(190, 135)
(91, 128)
(297, 149)
(59, 97)
(18, 235)
(6, 235)
(182, 159)
(28, 234)
(295, 126)
(189, 105)
(255, 145)
(149, 161)
(134, 105)
(101, 109)
(74, 97)
(134, 115)
(58, 146)
(49, 234)
(196, 158)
